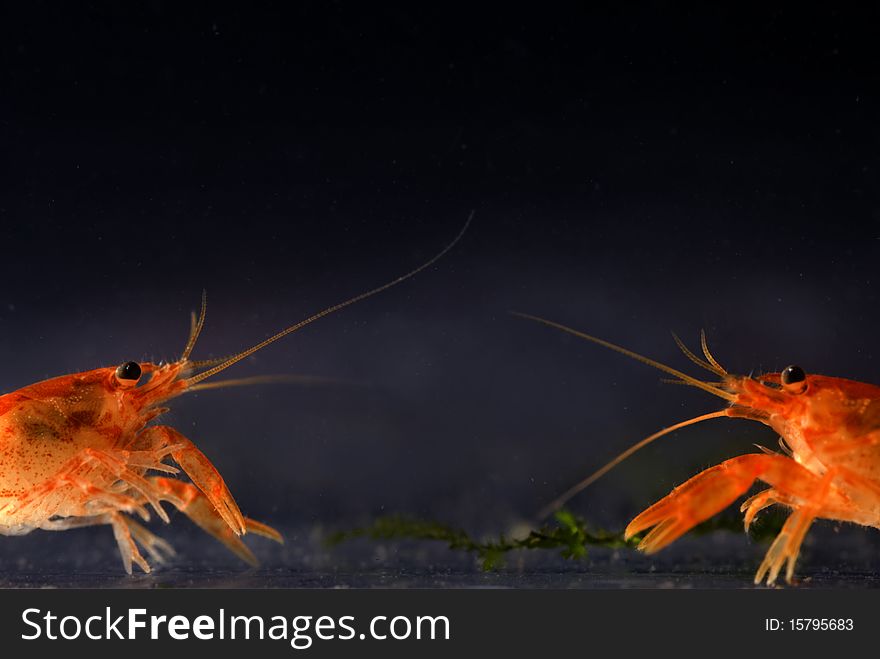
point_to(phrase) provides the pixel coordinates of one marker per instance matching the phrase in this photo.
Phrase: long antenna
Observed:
(560, 501)
(705, 386)
(711, 365)
(336, 307)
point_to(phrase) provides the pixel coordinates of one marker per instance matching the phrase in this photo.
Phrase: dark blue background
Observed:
(633, 171)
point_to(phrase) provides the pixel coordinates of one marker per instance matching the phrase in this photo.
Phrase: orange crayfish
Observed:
(79, 450)
(829, 467)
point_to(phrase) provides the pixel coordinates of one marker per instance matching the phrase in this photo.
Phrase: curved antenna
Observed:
(558, 502)
(326, 312)
(195, 328)
(705, 344)
(696, 360)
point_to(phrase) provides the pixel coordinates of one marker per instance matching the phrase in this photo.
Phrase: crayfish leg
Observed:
(786, 547)
(158, 549)
(714, 489)
(822, 501)
(125, 530)
(195, 505)
(204, 475)
(764, 499)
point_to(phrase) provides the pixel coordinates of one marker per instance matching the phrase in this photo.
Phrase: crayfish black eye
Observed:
(128, 373)
(794, 380)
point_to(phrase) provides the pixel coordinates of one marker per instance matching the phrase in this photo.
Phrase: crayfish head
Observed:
(142, 387)
(811, 406)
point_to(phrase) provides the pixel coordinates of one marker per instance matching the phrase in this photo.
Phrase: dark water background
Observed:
(632, 171)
